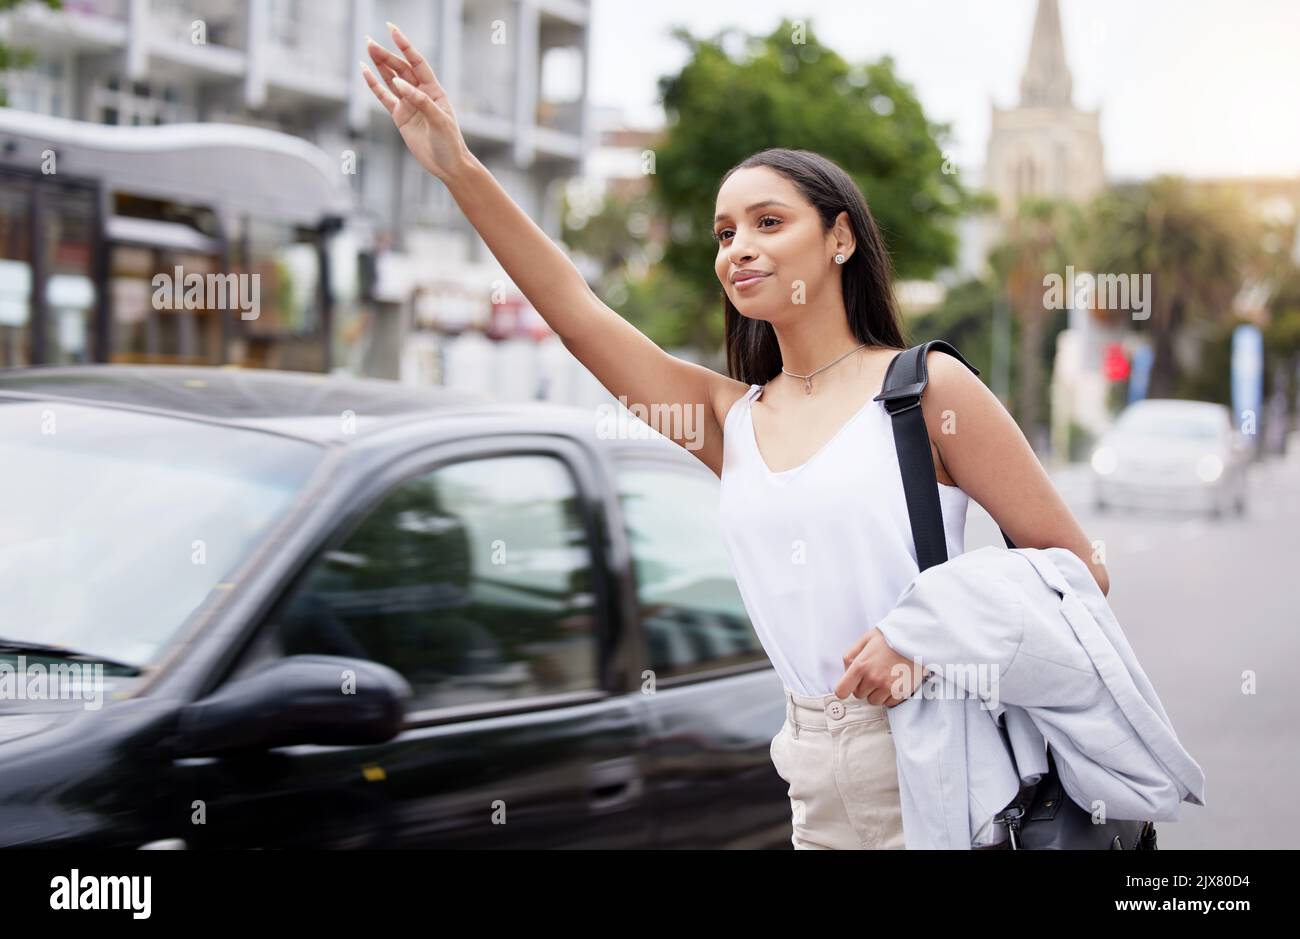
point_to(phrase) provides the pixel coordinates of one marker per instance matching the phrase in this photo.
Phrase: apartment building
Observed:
(402, 265)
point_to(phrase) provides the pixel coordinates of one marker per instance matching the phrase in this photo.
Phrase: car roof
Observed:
(300, 404)
(1177, 404)
(225, 393)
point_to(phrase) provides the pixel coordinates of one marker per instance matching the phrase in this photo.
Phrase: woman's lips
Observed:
(750, 281)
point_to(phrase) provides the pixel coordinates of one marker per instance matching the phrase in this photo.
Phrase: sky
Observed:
(1206, 88)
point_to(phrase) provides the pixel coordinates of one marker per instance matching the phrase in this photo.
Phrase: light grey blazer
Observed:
(1025, 635)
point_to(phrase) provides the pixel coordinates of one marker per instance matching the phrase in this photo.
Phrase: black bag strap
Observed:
(905, 379)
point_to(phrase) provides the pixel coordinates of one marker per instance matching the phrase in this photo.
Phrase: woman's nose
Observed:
(740, 253)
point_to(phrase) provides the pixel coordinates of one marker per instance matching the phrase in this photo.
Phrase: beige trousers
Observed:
(838, 758)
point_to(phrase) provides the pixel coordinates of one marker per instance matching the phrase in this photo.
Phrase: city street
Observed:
(1210, 609)
(363, 369)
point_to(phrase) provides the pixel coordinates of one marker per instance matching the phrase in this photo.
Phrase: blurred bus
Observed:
(91, 214)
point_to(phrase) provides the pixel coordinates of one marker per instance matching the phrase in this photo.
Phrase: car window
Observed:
(118, 526)
(1172, 422)
(692, 615)
(473, 581)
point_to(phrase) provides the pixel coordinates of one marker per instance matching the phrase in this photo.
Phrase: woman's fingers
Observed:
(389, 63)
(386, 97)
(857, 647)
(423, 73)
(419, 100)
(387, 74)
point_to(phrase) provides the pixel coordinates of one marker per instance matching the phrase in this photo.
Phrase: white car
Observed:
(1164, 451)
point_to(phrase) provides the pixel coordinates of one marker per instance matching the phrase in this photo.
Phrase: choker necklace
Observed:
(807, 379)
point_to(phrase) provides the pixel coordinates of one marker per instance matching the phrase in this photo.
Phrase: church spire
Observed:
(1047, 78)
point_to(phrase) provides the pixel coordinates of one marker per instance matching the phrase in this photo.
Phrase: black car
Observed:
(331, 612)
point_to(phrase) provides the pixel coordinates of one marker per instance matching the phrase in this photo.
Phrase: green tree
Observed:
(1282, 335)
(13, 58)
(646, 293)
(1042, 238)
(614, 236)
(1197, 244)
(965, 318)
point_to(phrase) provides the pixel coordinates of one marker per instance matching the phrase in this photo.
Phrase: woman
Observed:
(812, 500)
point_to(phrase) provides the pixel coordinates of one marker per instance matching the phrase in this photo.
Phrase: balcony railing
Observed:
(308, 38)
(109, 9)
(222, 21)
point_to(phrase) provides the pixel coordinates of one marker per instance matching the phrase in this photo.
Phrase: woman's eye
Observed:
(722, 235)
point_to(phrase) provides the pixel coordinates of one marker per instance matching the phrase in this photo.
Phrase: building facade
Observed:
(1044, 146)
(401, 268)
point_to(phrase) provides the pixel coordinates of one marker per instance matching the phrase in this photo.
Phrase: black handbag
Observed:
(1041, 816)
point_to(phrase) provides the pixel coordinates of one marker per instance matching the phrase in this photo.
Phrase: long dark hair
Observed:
(753, 355)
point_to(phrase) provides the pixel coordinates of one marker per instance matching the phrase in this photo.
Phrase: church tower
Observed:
(1044, 146)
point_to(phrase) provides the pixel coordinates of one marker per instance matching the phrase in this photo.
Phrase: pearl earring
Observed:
(839, 259)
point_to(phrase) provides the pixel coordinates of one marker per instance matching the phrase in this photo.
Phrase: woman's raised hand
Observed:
(418, 104)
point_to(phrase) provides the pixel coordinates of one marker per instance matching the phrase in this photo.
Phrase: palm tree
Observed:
(1195, 243)
(1042, 237)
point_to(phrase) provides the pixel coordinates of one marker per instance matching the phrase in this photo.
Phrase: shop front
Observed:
(186, 244)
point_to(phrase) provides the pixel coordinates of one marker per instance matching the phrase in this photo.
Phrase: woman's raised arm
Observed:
(682, 399)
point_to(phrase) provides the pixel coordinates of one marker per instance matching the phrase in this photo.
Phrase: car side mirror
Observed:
(302, 699)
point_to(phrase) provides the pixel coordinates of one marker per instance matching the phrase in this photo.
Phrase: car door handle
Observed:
(613, 783)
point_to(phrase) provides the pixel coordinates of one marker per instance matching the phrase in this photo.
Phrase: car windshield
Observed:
(1180, 423)
(116, 526)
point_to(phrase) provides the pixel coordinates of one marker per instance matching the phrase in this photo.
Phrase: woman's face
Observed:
(765, 225)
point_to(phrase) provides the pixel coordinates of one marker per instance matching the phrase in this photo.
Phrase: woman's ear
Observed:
(842, 235)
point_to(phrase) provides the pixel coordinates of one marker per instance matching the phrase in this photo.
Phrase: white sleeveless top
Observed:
(821, 552)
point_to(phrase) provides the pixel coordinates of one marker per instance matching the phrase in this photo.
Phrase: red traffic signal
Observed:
(1115, 364)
